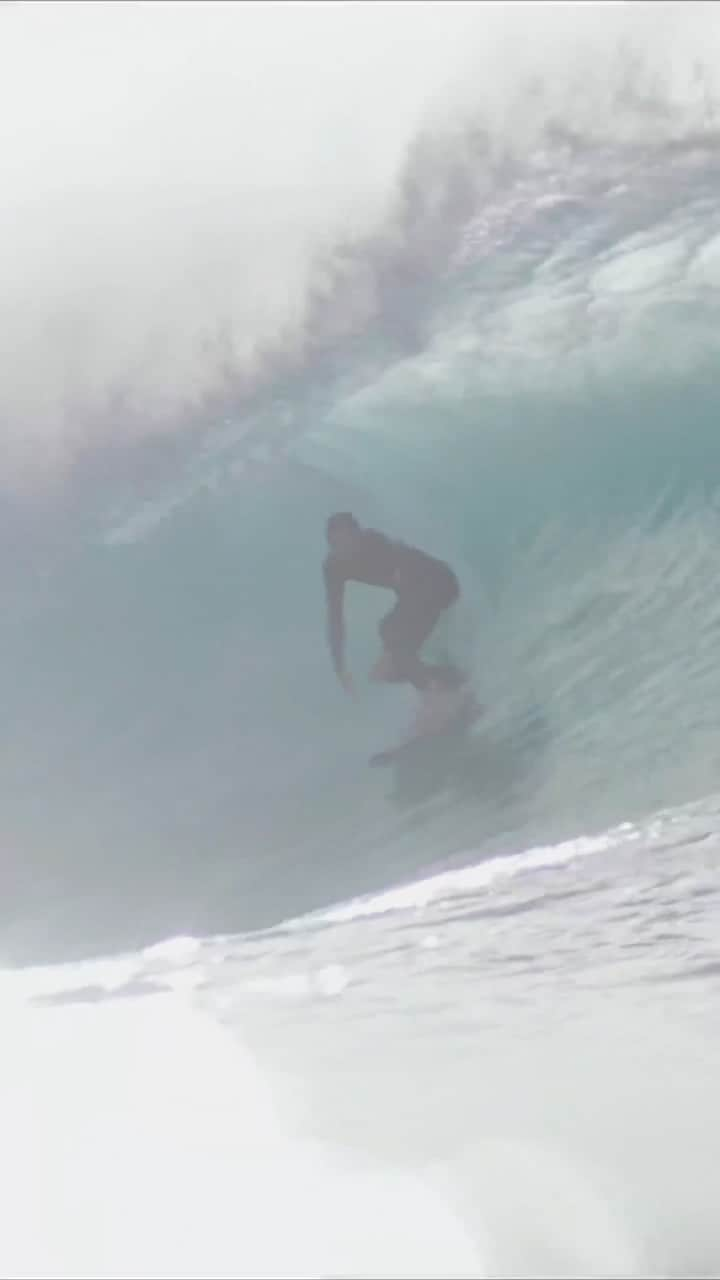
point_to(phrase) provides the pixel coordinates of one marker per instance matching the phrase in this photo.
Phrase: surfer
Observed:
(424, 589)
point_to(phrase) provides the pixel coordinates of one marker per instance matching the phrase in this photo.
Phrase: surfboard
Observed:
(438, 713)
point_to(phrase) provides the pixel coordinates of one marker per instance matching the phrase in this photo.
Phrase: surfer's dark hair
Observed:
(341, 520)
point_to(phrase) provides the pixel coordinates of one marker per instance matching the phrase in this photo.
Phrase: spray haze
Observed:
(176, 179)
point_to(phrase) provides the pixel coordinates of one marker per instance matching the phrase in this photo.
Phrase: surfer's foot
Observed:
(444, 679)
(383, 669)
(472, 708)
(455, 699)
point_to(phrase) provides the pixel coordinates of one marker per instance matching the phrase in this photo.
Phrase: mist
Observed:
(175, 178)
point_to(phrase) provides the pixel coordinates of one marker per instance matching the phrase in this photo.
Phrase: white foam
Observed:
(417, 896)
(141, 1139)
(175, 950)
(633, 268)
(329, 981)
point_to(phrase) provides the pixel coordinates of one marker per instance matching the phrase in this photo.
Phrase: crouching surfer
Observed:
(424, 589)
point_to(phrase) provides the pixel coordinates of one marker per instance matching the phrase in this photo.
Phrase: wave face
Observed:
(532, 394)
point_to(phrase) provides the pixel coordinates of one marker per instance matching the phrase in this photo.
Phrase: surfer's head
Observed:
(342, 529)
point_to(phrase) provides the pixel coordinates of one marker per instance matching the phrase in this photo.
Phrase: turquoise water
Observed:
(178, 754)
(268, 1011)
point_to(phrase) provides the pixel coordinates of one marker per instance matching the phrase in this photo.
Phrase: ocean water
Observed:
(268, 1011)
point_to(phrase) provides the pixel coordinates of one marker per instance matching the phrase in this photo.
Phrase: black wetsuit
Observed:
(424, 587)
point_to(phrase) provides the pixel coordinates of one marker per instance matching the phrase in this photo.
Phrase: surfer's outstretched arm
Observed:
(334, 598)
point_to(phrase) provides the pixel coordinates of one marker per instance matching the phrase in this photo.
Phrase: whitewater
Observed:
(267, 1011)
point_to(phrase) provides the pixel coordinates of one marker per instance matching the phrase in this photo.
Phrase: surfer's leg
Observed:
(403, 632)
(399, 663)
(445, 674)
(393, 667)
